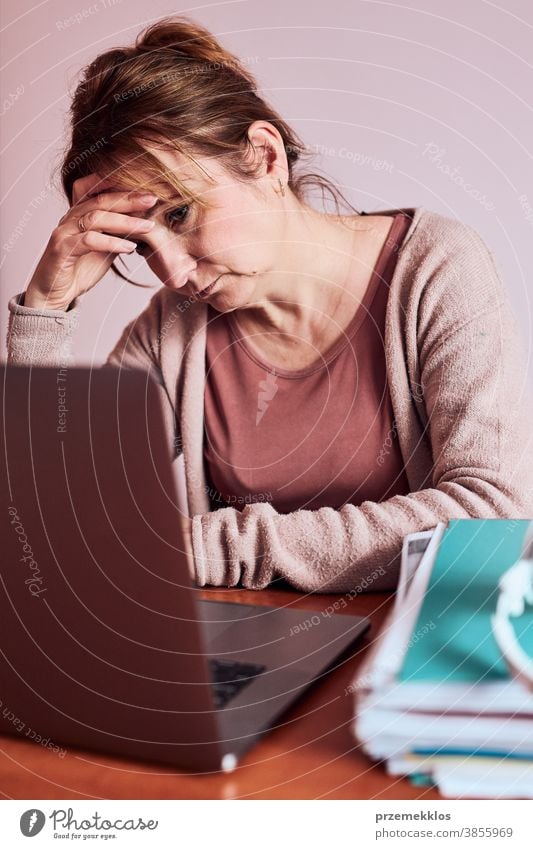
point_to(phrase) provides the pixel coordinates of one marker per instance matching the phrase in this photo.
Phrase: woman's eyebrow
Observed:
(154, 209)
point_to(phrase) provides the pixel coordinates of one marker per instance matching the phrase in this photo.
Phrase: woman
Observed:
(335, 382)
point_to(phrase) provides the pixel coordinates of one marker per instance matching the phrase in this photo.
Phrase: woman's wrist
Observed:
(35, 300)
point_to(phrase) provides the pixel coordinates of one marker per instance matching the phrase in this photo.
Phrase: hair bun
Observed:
(186, 39)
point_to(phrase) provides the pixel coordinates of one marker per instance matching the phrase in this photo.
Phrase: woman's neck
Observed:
(325, 273)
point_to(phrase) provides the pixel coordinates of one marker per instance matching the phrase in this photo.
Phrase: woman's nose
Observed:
(178, 277)
(178, 264)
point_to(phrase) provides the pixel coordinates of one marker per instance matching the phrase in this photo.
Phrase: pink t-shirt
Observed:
(323, 435)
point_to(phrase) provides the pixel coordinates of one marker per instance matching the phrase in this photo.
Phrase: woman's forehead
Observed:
(180, 176)
(189, 171)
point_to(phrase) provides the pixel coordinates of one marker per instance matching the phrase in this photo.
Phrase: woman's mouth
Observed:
(208, 289)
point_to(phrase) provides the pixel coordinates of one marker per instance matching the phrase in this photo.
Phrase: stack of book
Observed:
(438, 698)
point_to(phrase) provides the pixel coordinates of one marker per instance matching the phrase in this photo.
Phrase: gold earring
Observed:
(281, 190)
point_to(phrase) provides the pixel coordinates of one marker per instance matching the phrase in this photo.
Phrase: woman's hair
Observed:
(175, 86)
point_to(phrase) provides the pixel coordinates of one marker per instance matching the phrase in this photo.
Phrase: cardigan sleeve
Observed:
(45, 337)
(479, 414)
(39, 336)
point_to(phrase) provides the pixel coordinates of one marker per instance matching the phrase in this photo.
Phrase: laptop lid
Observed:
(104, 641)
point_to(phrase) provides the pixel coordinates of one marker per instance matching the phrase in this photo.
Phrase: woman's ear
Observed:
(268, 149)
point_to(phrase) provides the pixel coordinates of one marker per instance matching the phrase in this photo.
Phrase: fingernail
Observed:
(148, 199)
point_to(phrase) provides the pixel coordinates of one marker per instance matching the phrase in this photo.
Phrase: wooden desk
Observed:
(310, 755)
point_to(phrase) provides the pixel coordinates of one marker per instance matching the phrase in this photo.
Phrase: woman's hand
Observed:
(186, 528)
(74, 259)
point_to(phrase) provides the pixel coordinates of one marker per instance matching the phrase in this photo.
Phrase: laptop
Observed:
(106, 643)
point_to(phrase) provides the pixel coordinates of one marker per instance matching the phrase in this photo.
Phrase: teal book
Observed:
(461, 596)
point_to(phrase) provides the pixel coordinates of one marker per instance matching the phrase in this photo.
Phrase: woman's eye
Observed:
(175, 216)
(178, 215)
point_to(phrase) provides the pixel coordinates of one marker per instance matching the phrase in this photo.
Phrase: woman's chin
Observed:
(228, 294)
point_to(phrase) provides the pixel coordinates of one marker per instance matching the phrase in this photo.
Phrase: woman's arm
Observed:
(479, 421)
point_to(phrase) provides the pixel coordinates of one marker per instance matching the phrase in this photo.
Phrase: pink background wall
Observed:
(423, 104)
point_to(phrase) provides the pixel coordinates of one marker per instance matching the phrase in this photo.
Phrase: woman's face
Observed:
(237, 240)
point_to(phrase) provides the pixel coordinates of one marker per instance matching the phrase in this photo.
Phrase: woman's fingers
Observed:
(110, 212)
(92, 240)
(100, 207)
(84, 186)
(110, 222)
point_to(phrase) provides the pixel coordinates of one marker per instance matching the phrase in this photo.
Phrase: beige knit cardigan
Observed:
(462, 408)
